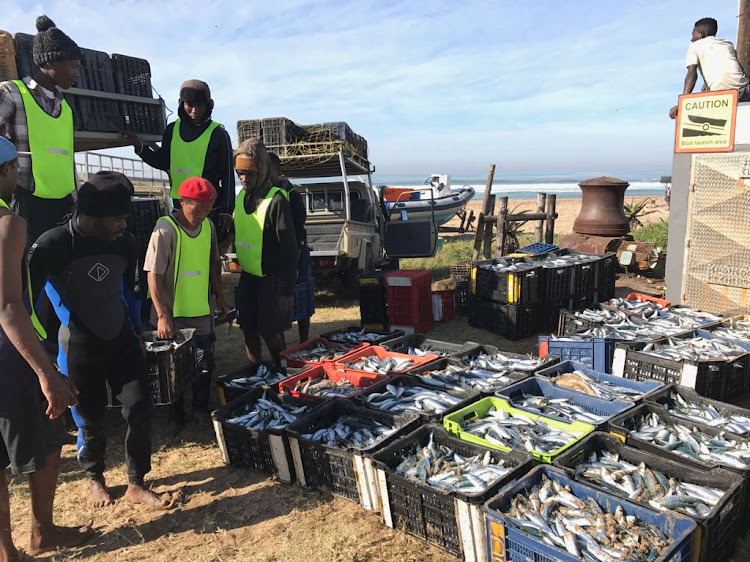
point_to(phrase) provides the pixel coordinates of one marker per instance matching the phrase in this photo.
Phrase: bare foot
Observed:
(58, 537)
(140, 495)
(99, 495)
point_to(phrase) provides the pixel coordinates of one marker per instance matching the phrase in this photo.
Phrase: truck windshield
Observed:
(328, 200)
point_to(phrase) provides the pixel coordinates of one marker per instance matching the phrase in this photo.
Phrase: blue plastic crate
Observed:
(647, 387)
(304, 300)
(538, 248)
(505, 542)
(595, 353)
(541, 386)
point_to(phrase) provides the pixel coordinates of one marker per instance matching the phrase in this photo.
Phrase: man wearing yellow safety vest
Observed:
(266, 247)
(34, 116)
(34, 394)
(184, 270)
(195, 146)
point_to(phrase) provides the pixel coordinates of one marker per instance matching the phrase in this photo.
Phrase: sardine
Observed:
(263, 377)
(374, 364)
(351, 431)
(356, 337)
(318, 351)
(399, 398)
(266, 414)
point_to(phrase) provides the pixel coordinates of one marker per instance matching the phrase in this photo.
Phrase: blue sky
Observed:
(537, 87)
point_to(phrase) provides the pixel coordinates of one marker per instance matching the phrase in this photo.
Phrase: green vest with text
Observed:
(191, 271)
(40, 331)
(51, 145)
(248, 230)
(187, 159)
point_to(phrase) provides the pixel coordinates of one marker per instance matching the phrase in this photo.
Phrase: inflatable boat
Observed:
(412, 203)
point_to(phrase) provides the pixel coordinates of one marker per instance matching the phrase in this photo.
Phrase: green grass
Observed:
(656, 233)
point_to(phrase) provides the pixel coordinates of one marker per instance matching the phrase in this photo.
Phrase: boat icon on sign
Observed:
(699, 126)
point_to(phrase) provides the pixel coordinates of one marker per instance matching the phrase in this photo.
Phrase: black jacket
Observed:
(299, 211)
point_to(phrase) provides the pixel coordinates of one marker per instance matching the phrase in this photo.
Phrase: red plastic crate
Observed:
(443, 308)
(382, 353)
(409, 294)
(363, 381)
(296, 363)
(640, 297)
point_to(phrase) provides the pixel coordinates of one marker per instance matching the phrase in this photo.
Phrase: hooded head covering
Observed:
(106, 194)
(254, 149)
(195, 91)
(50, 44)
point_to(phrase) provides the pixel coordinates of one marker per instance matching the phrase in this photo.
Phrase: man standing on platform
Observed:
(195, 146)
(184, 270)
(36, 118)
(266, 247)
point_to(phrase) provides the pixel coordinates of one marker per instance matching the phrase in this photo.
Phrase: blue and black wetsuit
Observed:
(93, 286)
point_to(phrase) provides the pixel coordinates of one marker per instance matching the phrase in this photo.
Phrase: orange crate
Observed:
(381, 353)
(641, 297)
(361, 381)
(297, 363)
(400, 194)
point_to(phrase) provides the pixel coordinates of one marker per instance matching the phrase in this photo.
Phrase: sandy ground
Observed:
(568, 210)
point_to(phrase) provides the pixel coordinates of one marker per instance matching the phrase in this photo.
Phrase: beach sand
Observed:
(567, 211)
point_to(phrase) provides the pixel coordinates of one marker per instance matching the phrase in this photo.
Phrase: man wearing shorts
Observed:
(34, 393)
(266, 247)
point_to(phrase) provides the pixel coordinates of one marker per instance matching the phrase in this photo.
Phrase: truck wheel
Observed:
(369, 262)
(391, 265)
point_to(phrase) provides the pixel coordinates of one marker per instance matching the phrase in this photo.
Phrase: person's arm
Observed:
(287, 240)
(214, 275)
(157, 257)
(691, 77)
(156, 158)
(226, 196)
(16, 322)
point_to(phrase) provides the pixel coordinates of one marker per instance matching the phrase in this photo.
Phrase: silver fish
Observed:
(319, 351)
(693, 349)
(708, 414)
(503, 363)
(374, 364)
(263, 377)
(399, 398)
(561, 408)
(454, 377)
(351, 431)
(266, 414)
(357, 336)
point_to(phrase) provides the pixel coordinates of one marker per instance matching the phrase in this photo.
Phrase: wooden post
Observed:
(541, 202)
(743, 34)
(478, 237)
(488, 204)
(549, 235)
(501, 216)
(487, 250)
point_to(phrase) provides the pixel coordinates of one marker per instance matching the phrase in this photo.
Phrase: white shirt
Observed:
(718, 63)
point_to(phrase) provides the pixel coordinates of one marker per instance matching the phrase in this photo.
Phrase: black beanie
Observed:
(51, 44)
(106, 194)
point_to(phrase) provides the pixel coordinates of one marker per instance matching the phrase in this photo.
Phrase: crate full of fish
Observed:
(493, 422)
(420, 345)
(575, 376)
(250, 430)
(512, 321)
(509, 281)
(713, 367)
(547, 516)
(172, 365)
(539, 395)
(331, 448)
(378, 360)
(317, 352)
(408, 394)
(713, 498)
(432, 485)
(256, 375)
(735, 331)
(557, 275)
(355, 335)
(324, 382)
(449, 375)
(491, 358)
(684, 402)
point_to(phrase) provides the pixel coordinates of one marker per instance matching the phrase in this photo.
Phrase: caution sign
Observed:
(705, 122)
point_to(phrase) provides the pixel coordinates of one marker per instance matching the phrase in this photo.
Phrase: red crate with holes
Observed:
(443, 308)
(409, 293)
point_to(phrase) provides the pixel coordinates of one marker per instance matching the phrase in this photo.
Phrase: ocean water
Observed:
(527, 188)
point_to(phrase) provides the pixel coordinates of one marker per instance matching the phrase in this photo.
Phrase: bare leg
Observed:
(138, 494)
(253, 346)
(8, 552)
(303, 326)
(45, 535)
(275, 345)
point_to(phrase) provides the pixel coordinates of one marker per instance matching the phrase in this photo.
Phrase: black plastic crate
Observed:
(603, 294)
(461, 293)
(582, 301)
(433, 514)
(585, 277)
(718, 531)
(384, 335)
(465, 357)
(569, 323)
(408, 381)
(227, 392)
(132, 76)
(144, 118)
(709, 378)
(551, 313)
(249, 128)
(513, 321)
(441, 348)
(607, 272)
(266, 451)
(24, 57)
(317, 465)
(558, 282)
(144, 212)
(279, 131)
(519, 287)
(95, 72)
(461, 271)
(95, 114)
(373, 300)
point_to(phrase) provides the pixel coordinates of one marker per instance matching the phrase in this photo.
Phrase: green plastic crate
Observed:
(455, 422)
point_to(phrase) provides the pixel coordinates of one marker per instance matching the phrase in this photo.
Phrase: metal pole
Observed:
(743, 34)
(342, 163)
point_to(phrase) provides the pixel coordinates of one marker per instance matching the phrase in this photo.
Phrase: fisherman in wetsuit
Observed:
(89, 268)
(33, 393)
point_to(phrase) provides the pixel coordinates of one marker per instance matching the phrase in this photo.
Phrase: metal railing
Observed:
(145, 178)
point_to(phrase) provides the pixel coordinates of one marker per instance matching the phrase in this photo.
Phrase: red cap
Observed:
(198, 189)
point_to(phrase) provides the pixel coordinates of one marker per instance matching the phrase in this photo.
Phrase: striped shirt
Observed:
(13, 121)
